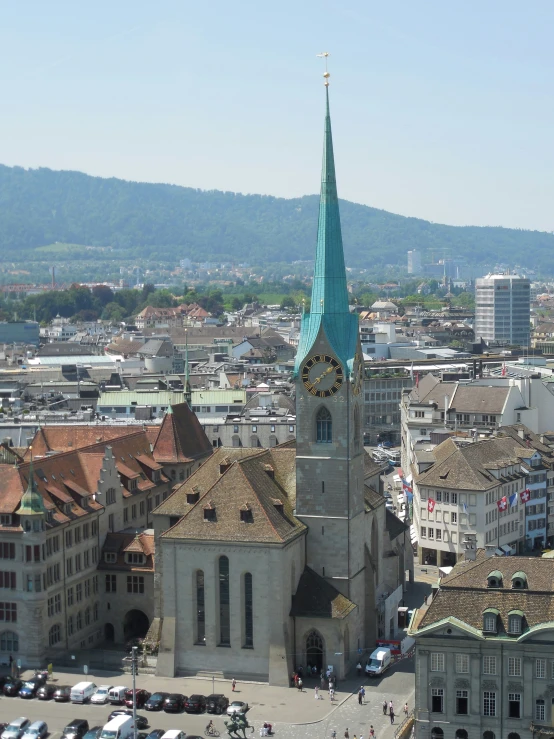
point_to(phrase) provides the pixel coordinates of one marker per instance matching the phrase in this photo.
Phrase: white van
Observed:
(120, 727)
(82, 692)
(116, 695)
(378, 661)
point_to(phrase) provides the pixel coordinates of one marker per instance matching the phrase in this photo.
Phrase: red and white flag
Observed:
(504, 370)
(502, 504)
(431, 505)
(525, 495)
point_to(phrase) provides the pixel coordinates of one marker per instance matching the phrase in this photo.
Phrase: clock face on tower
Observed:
(357, 374)
(322, 375)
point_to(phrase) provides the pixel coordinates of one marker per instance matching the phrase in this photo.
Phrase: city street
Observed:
(293, 714)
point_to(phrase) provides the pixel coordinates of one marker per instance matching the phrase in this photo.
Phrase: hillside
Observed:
(42, 206)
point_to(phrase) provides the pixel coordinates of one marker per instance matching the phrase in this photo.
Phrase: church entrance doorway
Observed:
(315, 653)
(135, 625)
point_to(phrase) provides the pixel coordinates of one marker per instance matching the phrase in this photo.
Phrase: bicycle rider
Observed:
(210, 727)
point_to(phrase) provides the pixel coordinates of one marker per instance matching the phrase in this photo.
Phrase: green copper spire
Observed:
(329, 309)
(31, 501)
(329, 293)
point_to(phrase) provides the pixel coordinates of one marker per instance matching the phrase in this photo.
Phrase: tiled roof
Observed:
(467, 467)
(315, 597)
(394, 525)
(63, 438)
(464, 594)
(181, 438)
(121, 543)
(226, 483)
(373, 499)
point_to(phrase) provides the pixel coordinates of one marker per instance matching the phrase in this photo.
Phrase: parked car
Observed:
(156, 702)
(141, 697)
(93, 733)
(37, 730)
(12, 689)
(155, 734)
(16, 728)
(30, 688)
(46, 692)
(101, 696)
(195, 704)
(142, 721)
(62, 694)
(174, 734)
(75, 729)
(2, 727)
(174, 703)
(237, 707)
(5, 679)
(217, 703)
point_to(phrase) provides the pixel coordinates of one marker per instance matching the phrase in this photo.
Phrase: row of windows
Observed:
(438, 535)
(447, 516)
(490, 664)
(224, 598)
(82, 561)
(75, 623)
(135, 584)
(78, 534)
(489, 706)
(75, 594)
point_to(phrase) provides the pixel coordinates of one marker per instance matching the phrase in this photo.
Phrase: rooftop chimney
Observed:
(470, 547)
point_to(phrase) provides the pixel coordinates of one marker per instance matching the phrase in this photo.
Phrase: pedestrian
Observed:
(333, 734)
(316, 691)
(371, 732)
(234, 684)
(405, 709)
(391, 707)
(363, 692)
(384, 708)
(391, 714)
(346, 734)
(322, 681)
(359, 668)
(332, 694)
(299, 684)
(360, 696)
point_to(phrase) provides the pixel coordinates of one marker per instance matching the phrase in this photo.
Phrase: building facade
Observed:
(483, 655)
(502, 309)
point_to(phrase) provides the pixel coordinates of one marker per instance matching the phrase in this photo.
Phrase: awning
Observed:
(413, 534)
(444, 571)
(507, 549)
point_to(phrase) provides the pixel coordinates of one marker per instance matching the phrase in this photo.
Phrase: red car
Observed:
(141, 697)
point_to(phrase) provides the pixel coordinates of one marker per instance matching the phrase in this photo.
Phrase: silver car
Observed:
(16, 728)
(37, 730)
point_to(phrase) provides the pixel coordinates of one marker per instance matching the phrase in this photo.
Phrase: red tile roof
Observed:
(181, 437)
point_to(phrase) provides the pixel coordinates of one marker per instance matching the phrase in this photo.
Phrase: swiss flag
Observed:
(502, 504)
(431, 505)
(525, 495)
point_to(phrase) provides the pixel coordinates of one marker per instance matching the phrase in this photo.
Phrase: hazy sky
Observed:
(441, 110)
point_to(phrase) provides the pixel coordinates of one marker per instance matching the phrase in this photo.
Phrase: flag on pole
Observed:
(525, 495)
(504, 370)
(502, 504)
(412, 371)
(513, 500)
(464, 506)
(431, 505)
(417, 379)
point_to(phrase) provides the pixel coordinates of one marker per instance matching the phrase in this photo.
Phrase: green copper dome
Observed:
(329, 306)
(32, 503)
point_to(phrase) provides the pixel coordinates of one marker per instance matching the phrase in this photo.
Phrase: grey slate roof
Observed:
(315, 597)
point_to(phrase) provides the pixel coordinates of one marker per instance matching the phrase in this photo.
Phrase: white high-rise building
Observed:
(414, 262)
(502, 309)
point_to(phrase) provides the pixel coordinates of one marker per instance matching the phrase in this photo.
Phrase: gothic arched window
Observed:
(200, 605)
(248, 611)
(324, 426)
(224, 603)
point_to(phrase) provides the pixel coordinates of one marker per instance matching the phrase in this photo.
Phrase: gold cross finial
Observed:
(326, 74)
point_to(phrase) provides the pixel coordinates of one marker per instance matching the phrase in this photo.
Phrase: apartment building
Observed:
(382, 396)
(61, 514)
(483, 652)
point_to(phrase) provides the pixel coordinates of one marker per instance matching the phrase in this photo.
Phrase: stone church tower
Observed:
(329, 381)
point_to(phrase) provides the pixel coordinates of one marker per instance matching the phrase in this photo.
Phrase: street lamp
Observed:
(134, 668)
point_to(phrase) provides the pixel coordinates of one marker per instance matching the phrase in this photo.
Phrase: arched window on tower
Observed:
(224, 603)
(200, 606)
(248, 612)
(324, 426)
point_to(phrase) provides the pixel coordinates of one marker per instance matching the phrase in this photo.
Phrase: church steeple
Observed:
(31, 500)
(329, 306)
(329, 293)
(188, 391)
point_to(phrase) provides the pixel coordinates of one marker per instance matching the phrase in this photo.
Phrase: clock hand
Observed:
(320, 378)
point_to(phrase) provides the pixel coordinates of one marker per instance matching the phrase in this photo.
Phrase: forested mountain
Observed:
(42, 206)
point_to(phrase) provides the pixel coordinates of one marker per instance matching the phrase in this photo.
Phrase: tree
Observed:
(103, 294)
(146, 290)
(113, 312)
(287, 302)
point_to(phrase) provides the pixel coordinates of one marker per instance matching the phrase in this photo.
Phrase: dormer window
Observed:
(519, 580)
(246, 515)
(515, 621)
(209, 512)
(110, 557)
(193, 497)
(135, 558)
(133, 484)
(494, 579)
(490, 620)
